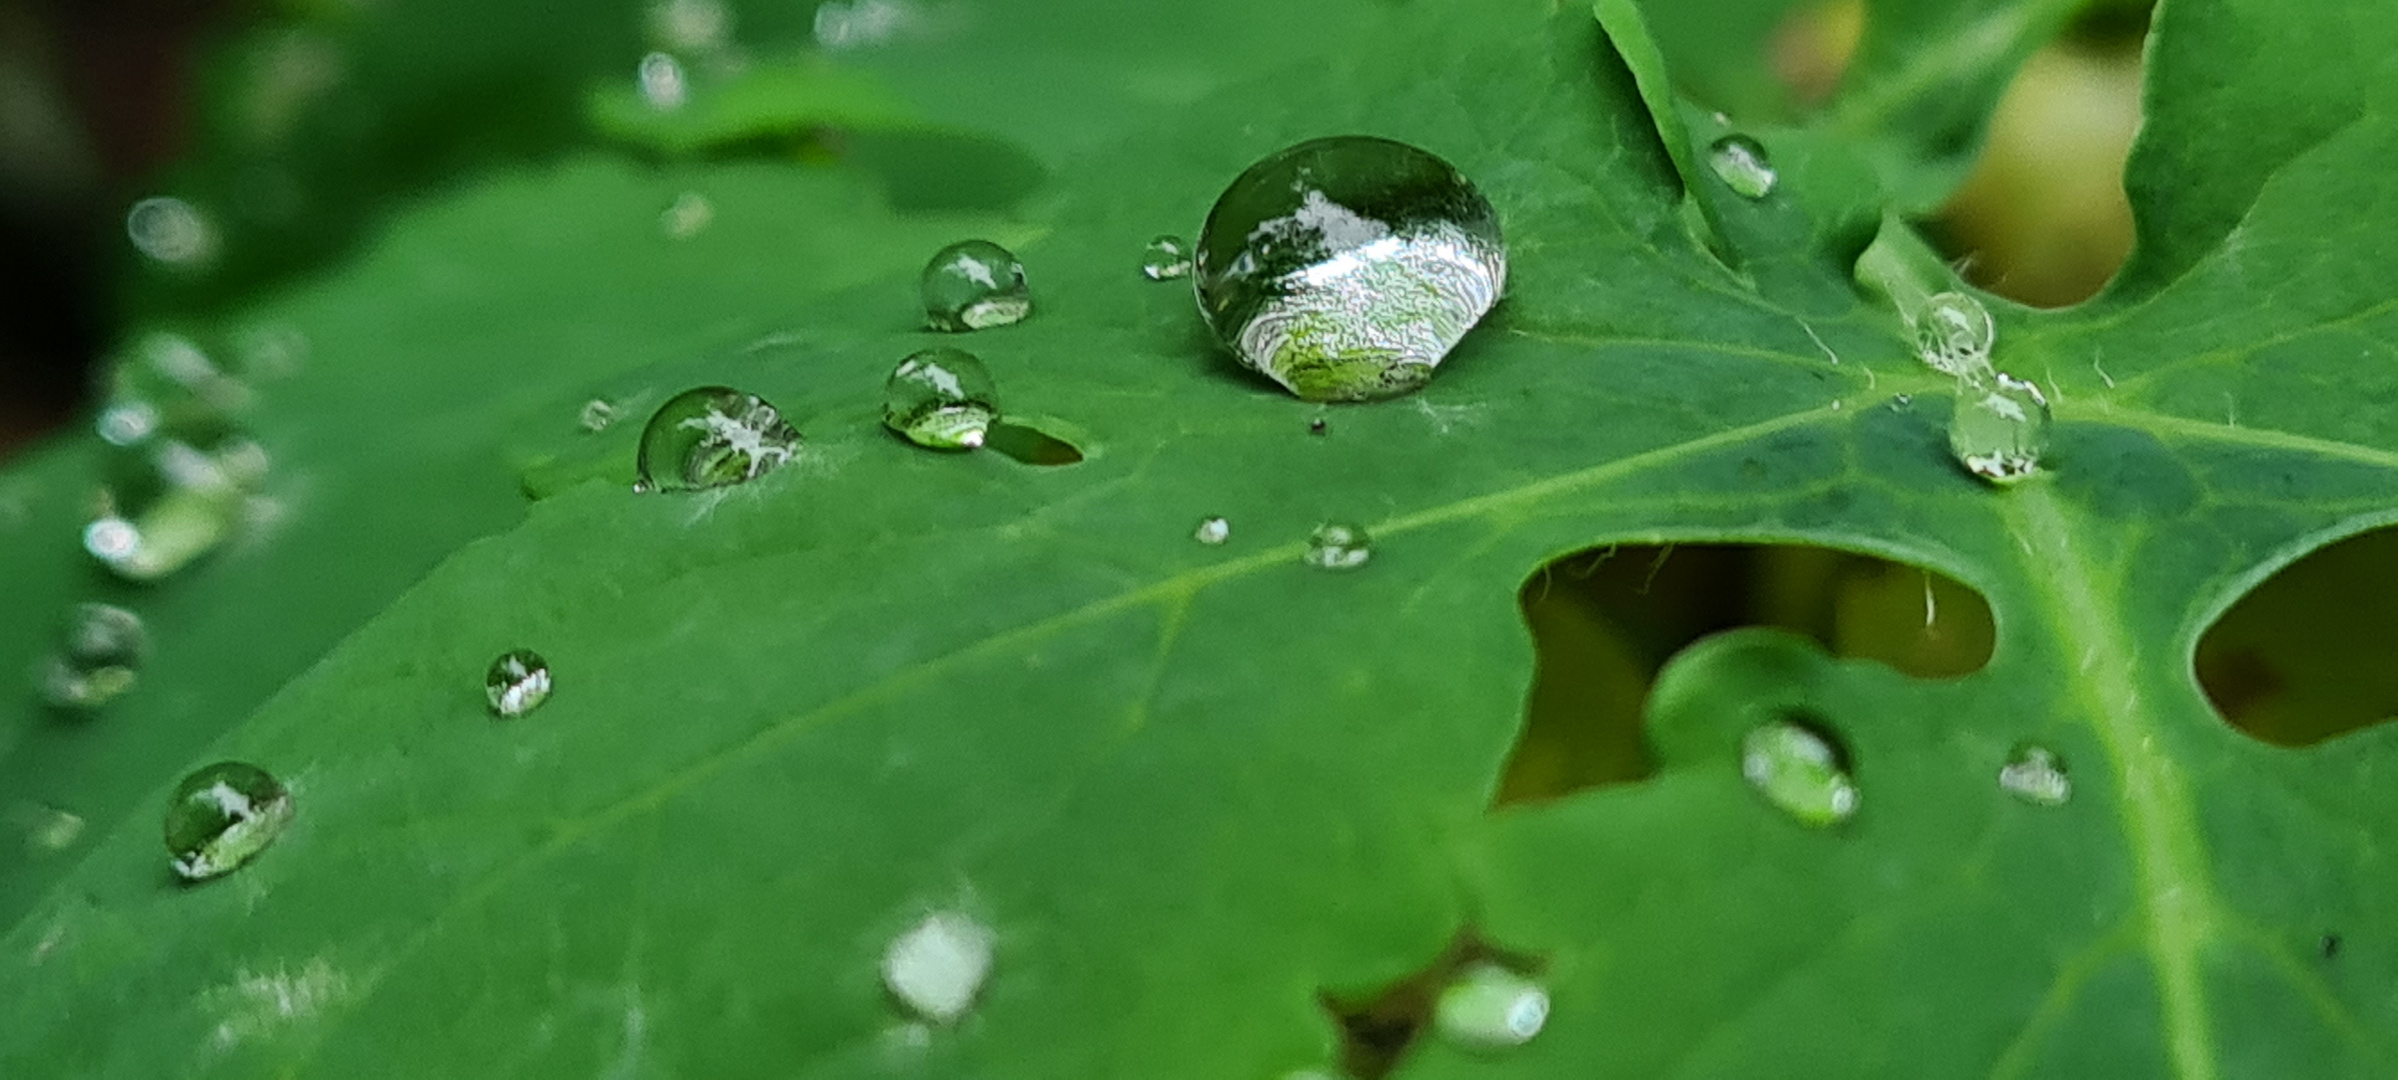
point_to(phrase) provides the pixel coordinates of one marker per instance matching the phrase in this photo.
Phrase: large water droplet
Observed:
(1347, 268)
(1490, 1008)
(223, 815)
(169, 502)
(937, 967)
(1740, 162)
(1213, 531)
(518, 682)
(171, 231)
(974, 285)
(2035, 774)
(1339, 547)
(1999, 428)
(1166, 258)
(713, 436)
(99, 658)
(1954, 334)
(662, 83)
(941, 398)
(1799, 771)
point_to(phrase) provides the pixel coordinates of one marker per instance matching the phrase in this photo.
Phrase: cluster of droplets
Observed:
(1999, 429)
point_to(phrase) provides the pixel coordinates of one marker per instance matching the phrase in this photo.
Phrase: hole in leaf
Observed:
(1377, 1031)
(1030, 445)
(2277, 668)
(1604, 621)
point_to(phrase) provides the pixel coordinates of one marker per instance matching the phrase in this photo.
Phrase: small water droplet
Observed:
(937, 967)
(1347, 268)
(1213, 531)
(690, 25)
(171, 231)
(941, 398)
(1319, 426)
(974, 285)
(713, 436)
(596, 415)
(1954, 334)
(1339, 547)
(48, 828)
(223, 815)
(1166, 258)
(2035, 774)
(861, 23)
(518, 682)
(2000, 427)
(168, 502)
(97, 660)
(1740, 162)
(1490, 1008)
(1800, 772)
(688, 217)
(662, 83)
(125, 423)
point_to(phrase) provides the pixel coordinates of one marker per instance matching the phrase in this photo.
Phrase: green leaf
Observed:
(1197, 791)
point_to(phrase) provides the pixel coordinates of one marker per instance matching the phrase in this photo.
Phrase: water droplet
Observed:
(597, 414)
(168, 503)
(171, 231)
(1799, 771)
(713, 436)
(518, 682)
(1954, 334)
(688, 217)
(1740, 162)
(937, 967)
(125, 423)
(2035, 774)
(1339, 547)
(223, 815)
(1491, 1008)
(48, 828)
(941, 398)
(974, 285)
(662, 83)
(1166, 258)
(1347, 268)
(861, 23)
(690, 25)
(1319, 426)
(2000, 427)
(98, 659)
(1213, 531)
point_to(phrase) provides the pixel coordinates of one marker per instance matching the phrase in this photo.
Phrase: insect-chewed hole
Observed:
(2303, 657)
(1604, 621)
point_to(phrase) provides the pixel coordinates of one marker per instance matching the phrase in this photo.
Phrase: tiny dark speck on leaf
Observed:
(2331, 946)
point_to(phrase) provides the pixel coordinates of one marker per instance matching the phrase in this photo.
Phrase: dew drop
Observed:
(596, 415)
(662, 83)
(941, 398)
(1740, 162)
(1490, 1008)
(48, 828)
(98, 659)
(690, 25)
(223, 815)
(861, 23)
(1347, 268)
(1339, 547)
(713, 436)
(518, 682)
(688, 216)
(1999, 428)
(171, 231)
(169, 502)
(125, 423)
(1954, 334)
(937, 967)
(1213, 531)
(1165, 259)
(974, 285)
(2035, 774)
(1800, 772)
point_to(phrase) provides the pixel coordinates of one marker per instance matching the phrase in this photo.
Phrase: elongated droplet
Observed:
(1799, 772)
(99, 659)
(937, 967)
(1954, 334)
(518, 682)
(1490, 1008)
(223, 815)
(974, 285)
(1213, 531)
(2035, 774)
(662, 82)
(1166, 258)
(596, 415)
(1740, 162)
(1999, 428)
(713, 436)
(941, 398)
(171, 231)
(1347, 268)
(1339, 547)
